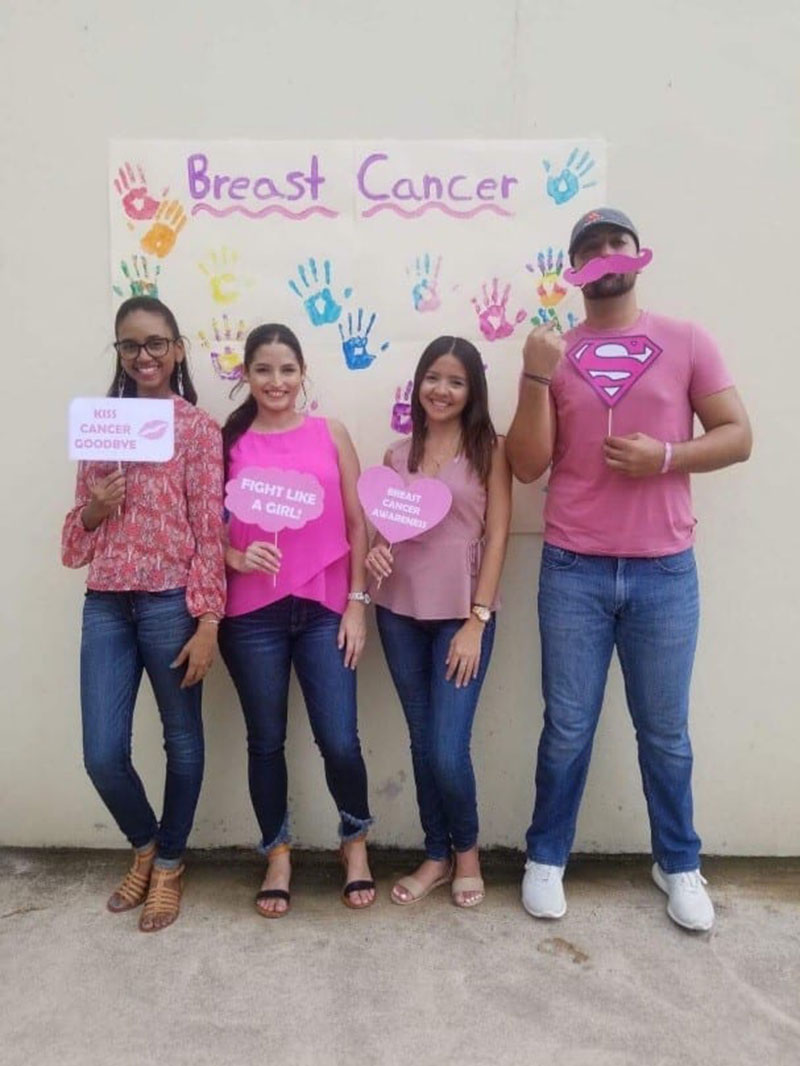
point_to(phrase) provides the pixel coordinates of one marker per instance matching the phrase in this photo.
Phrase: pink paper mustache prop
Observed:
(603, 265)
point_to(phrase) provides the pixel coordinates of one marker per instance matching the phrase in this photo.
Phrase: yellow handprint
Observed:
(167, 224)
(227, 348)
(220, 269)
(549, 289)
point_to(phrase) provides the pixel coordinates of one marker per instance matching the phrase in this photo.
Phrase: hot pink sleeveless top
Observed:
(434, 575)
(316, 558)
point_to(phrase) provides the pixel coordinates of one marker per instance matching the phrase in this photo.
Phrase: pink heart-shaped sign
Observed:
(398, 510)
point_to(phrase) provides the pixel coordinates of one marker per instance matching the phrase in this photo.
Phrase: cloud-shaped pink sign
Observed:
(398, 510)
(274, 499)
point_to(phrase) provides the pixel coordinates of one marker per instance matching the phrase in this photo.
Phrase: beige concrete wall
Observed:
(698, 101)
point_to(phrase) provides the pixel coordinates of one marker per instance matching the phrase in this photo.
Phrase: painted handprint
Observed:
(221, 269)
(548, 314)
(401, 409)
(425, 292)
(568, 183)
(131, 184)
(227, 348)
(318, 299)
(492, 312)
(545, 315)
(139, 280)
(549, 288)
(356, 341)
(169, 220)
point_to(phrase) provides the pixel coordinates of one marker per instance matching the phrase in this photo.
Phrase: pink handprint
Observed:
(401, 410)
(131, 185)
(492, 313)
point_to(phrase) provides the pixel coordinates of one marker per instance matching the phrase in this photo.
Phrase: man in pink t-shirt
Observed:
(610, 407)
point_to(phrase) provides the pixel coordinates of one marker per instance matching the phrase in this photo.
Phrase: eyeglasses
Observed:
(156, 348)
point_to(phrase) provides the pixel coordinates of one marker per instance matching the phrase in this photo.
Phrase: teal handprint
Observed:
(355, 344)
(139, 281)
(425, 292)
(562, 187)
(545, 315)
(318, 299)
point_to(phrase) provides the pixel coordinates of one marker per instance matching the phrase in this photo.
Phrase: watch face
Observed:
(483, 613)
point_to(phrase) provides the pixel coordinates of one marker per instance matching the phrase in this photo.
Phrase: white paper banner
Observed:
(367, 250)
(121, 430)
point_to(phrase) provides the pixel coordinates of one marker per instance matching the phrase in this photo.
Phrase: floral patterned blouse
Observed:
(169, 531)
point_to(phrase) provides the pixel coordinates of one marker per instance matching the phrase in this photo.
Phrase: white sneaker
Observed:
(542, 891)
(689, 904)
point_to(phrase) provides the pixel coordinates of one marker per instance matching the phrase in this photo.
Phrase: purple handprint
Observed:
(492, 313)
(401, 410)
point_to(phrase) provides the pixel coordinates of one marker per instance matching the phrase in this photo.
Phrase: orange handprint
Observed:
(169, 221)
(549, 290)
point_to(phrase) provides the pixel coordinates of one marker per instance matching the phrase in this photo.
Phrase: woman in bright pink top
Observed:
(151, 535)
(298, 599)
(436, 596)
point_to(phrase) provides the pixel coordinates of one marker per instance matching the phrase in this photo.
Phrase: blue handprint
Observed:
(354, 344)
(545, 315)
(317, 297)
(425, 292)
(562, 187)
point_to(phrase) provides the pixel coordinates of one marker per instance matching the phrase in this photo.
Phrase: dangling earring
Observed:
(121, 383)
(304, 404)
(180, 378)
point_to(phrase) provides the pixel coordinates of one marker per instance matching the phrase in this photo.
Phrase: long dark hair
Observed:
(122, 384)
(240, 419)
(478, 435)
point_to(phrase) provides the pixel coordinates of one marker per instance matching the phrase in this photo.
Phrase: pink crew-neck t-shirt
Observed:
(434, 575)
(590, 508)
(315, 562)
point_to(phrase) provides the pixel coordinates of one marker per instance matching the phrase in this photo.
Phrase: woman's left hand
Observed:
(464, 653)
(198, 652)
(352, 633)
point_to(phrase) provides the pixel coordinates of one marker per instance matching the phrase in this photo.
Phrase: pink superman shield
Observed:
(613, 365)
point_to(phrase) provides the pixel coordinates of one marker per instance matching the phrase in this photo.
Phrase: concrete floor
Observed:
(614, 982)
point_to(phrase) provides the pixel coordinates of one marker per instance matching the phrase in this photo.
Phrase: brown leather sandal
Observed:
(132, 889)
(163, 902)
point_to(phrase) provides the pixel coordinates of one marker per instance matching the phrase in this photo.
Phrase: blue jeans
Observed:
(123, 633)
(259, 649)
(648, 609)
(439, 718)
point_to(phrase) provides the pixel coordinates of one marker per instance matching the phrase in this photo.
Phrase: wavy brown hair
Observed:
(478, 436)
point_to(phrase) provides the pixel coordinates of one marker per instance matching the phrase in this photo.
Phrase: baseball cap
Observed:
(600, 216)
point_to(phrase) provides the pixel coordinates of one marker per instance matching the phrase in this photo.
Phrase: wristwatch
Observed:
(483, 614)
(360, 597)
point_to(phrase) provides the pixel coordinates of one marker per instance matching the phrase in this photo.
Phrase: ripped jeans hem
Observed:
(351, 828)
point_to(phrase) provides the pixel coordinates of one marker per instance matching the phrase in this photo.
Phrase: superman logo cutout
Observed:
(613, 365)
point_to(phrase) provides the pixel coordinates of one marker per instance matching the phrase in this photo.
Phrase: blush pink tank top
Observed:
(434, 575)
(315, 563)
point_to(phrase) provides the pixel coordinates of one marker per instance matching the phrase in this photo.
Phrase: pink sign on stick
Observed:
(402, 511)
(613, 365)
(274, 499)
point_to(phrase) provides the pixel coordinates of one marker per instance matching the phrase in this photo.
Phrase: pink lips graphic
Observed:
(154, 429)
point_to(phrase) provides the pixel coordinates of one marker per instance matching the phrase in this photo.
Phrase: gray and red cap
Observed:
(600, 216)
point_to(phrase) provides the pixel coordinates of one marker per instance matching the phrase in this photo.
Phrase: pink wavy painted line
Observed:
(442, 207)
(294, 216)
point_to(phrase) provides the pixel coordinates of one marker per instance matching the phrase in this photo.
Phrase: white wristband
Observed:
(667, 457)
